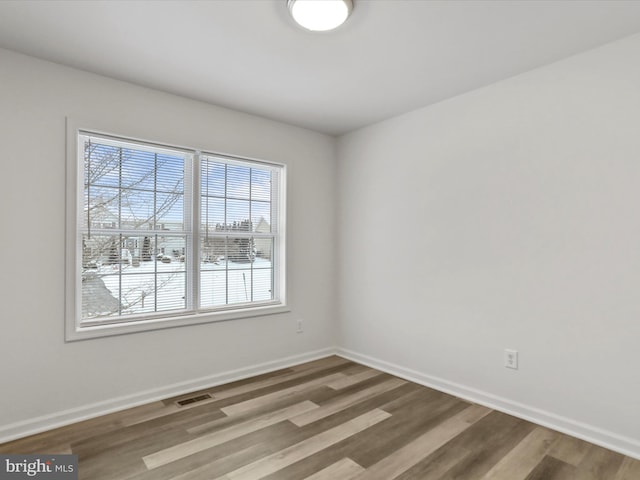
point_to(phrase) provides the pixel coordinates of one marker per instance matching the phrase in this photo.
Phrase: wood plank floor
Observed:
(330, 419)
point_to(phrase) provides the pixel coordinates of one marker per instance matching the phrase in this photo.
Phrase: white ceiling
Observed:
(390, 57)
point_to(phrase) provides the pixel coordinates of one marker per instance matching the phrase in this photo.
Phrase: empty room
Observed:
(320, 239)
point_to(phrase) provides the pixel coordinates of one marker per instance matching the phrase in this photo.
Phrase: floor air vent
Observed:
(188, 401)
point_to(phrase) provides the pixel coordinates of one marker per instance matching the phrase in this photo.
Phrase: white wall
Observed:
(505, 217)
(42, 376)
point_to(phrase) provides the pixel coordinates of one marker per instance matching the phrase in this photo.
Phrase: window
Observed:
(169, 236)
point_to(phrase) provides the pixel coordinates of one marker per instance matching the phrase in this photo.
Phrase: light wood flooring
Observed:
(330, 419)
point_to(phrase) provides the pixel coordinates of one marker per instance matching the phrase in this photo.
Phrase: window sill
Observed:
(75, 332)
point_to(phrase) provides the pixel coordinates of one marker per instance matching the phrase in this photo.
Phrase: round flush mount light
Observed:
(320, 15)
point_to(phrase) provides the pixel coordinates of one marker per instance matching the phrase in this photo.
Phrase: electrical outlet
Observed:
(299, 328)
(511, 358)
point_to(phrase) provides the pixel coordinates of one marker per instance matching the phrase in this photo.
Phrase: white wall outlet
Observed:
(511, 358)
(299, 327)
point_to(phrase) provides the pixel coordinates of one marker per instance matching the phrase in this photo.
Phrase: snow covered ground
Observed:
(157, 286)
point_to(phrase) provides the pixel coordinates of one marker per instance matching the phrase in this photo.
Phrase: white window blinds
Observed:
(167, 232)
(239, 232)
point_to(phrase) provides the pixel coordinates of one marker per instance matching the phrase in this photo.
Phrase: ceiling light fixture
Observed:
(320, 15)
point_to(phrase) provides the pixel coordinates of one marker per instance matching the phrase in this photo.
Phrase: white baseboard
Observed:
(32, 426)
(612, 441)
(624, 445)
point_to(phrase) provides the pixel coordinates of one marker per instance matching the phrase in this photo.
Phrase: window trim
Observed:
(74, 327)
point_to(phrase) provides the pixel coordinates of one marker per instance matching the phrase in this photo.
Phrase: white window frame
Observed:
(74, 327)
